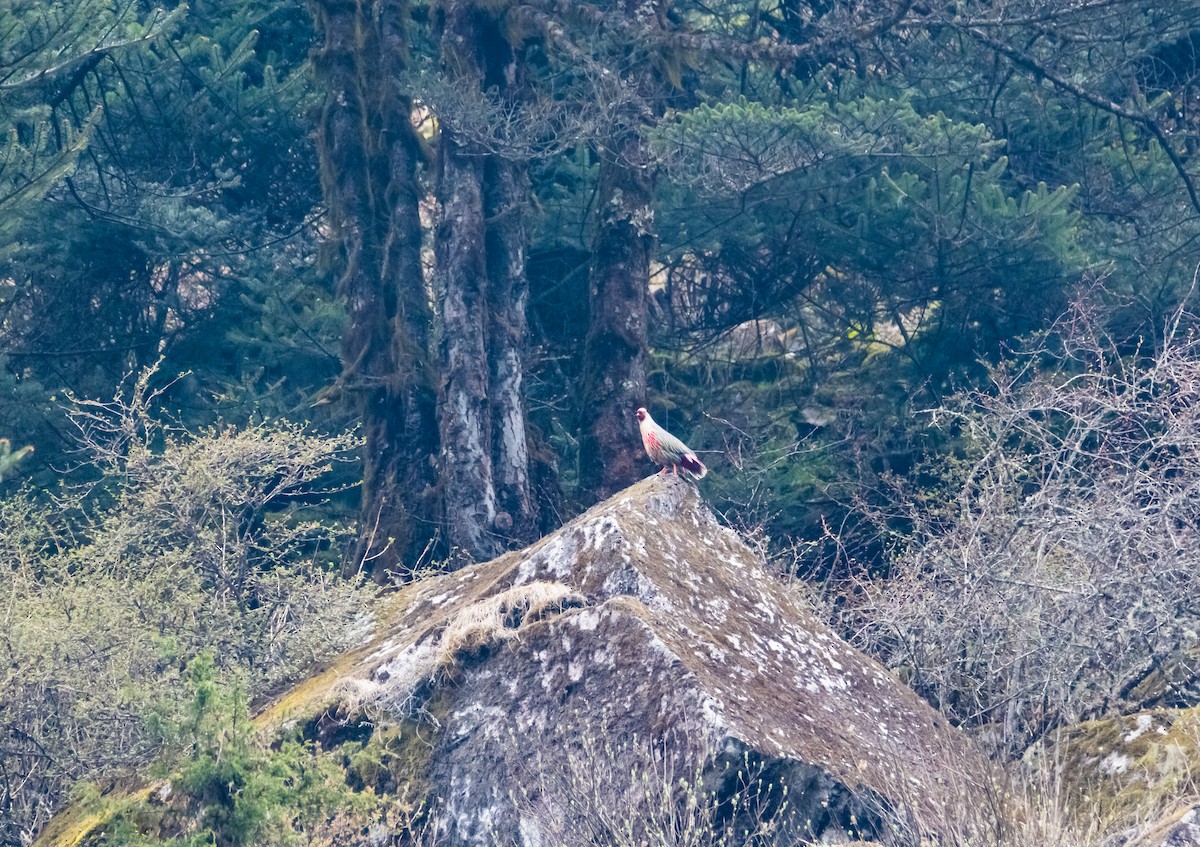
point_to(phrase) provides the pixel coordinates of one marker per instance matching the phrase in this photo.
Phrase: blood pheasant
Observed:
(666, 449)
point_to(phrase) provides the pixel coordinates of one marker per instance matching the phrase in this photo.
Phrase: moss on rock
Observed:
(643, 625)
(1127, 769)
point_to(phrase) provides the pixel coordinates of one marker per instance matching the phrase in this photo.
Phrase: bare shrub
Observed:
(986, 804)
(185, 543)
(1054, 577)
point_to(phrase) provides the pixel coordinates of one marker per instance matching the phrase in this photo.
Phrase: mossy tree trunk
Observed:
(369, 159)
(615, 352)
(481, 250)
(616, 349)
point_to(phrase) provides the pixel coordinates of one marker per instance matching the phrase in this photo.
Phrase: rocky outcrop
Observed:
(635, 678)
(1134, 772)
(1185, 831)
(645, 639)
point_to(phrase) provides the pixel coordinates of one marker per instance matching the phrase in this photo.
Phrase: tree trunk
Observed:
(464, 408)
(615, 352)
(506, 193)
(506, 201)
(481, 252)
(369, 157)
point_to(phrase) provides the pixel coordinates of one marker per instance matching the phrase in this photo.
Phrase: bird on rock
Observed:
(666, 449)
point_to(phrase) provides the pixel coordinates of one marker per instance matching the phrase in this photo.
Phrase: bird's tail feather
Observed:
(693, 466)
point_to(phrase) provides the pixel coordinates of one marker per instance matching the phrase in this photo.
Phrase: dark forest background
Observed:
(294, 298)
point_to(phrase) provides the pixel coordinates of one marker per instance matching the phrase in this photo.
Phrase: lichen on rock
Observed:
(645, 622)
(636, 673)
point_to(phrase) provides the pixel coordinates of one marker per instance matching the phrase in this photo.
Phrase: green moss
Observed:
(393, 763)
(1128, 768)
(70, 828)
(90, 811)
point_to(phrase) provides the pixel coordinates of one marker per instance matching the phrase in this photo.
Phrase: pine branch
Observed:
(1027, 63)
(154, 29)
(723, 46)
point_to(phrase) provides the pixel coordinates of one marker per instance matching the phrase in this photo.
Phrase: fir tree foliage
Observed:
(909, 211)
(247, 793)
(186, 226)
(45, 48)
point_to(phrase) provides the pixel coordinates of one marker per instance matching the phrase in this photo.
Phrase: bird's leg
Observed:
(663, 472)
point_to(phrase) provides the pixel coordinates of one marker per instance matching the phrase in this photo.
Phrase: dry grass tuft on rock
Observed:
(402, 684)
(502, 617)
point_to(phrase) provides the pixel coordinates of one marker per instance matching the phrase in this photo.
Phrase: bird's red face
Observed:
(641, 414)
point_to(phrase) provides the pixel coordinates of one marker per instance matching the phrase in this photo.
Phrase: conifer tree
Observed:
(45, 50)
(195, 190)
(370, 154)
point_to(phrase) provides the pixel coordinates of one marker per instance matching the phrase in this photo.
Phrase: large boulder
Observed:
(636, 678)
(641, 663)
